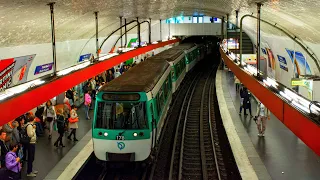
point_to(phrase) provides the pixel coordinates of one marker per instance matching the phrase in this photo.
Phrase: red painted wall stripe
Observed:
(20, 104)
(297, 122)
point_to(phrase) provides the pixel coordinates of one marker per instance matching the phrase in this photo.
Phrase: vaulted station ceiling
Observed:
(28, 21)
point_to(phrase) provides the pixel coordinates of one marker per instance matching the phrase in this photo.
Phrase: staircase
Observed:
(247, 47)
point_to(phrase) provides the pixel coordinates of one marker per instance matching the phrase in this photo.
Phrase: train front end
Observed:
(121, 129)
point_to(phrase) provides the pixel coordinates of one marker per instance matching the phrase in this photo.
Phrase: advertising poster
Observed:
(271, 64)
(283, 63)
(301, 66)
(249, 58)
(14, 71)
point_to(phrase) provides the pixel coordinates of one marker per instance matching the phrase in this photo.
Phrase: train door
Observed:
(153, 123)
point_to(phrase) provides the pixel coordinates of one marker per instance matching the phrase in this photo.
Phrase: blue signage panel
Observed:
(264, 51)
(284, 67)
(282, 59)
(43, 68)
(84, 57)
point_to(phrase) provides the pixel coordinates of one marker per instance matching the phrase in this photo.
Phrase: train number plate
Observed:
(120, 138)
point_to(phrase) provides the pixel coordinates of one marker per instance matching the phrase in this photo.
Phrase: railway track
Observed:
(195, 152)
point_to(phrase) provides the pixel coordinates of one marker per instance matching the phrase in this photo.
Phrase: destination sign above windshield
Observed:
(121, 97)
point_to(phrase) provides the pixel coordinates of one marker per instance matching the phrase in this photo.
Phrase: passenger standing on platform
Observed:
(15, 133)
(241, 99)
(87, 103)
(87, 87)
(66, 113)
(31, 131)
(8, 128)
(39, 114)
(39, 129)
(73, 123)
(50, 116)
(22, 129)
(246, 101)
(70, 96)
(262, 115)
(13, 162)
(237, 82)
(3, 146)
(117, 74)
(110, 76)
(60, 126)
(93, 88)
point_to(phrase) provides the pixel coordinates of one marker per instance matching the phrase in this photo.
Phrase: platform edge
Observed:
(241, 157)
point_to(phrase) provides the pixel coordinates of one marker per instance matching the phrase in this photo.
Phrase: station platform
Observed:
(48, 156)
(278, 155)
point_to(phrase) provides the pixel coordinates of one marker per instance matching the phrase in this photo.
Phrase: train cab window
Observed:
(121, 115)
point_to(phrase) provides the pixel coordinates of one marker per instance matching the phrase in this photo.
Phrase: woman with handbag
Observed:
(73, 122)
(49, 114)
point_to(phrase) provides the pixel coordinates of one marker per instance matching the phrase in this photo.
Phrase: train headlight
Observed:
(135, 134)
(105, 134)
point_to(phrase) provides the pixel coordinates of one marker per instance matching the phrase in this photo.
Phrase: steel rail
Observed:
(178, 124)
(211, 131)
(183, 132)
(202, 148)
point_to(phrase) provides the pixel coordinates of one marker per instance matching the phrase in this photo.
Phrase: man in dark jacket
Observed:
(241, 98)
(4, 147)
(246, 101)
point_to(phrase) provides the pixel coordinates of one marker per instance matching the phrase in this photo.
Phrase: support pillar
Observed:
(237, 18)
(139, 40)
(53, 38)
(258, 37)
(125, 31)
(169, 30)
(227, 30)
(222, 29)
(97, 35)
(121, 44)
(149, 30)
(160, 30)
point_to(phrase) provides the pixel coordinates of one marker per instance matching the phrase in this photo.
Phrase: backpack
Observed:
(24, 138)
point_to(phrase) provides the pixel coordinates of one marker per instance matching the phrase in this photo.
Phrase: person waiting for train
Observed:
(13, 162)
(3, 147)
(241, 99)
(49, 114)
(31, 131)
(262, 115)
(237, 82)
(61, 127)
(87, 103)
(247, 101)
(73, 122)
(117, 73)
(70, 96)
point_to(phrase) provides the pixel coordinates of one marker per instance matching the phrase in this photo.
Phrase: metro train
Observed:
(130, 110)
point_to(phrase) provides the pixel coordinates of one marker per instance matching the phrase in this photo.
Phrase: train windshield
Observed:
(121, 115)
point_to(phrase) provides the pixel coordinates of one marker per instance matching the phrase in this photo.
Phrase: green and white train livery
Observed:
(130, 110)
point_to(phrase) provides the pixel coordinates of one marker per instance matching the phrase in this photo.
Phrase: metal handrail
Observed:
(128, 31)
(288, 33)
(115, 32)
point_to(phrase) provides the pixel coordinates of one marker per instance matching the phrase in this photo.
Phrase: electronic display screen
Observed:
(121, 97)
